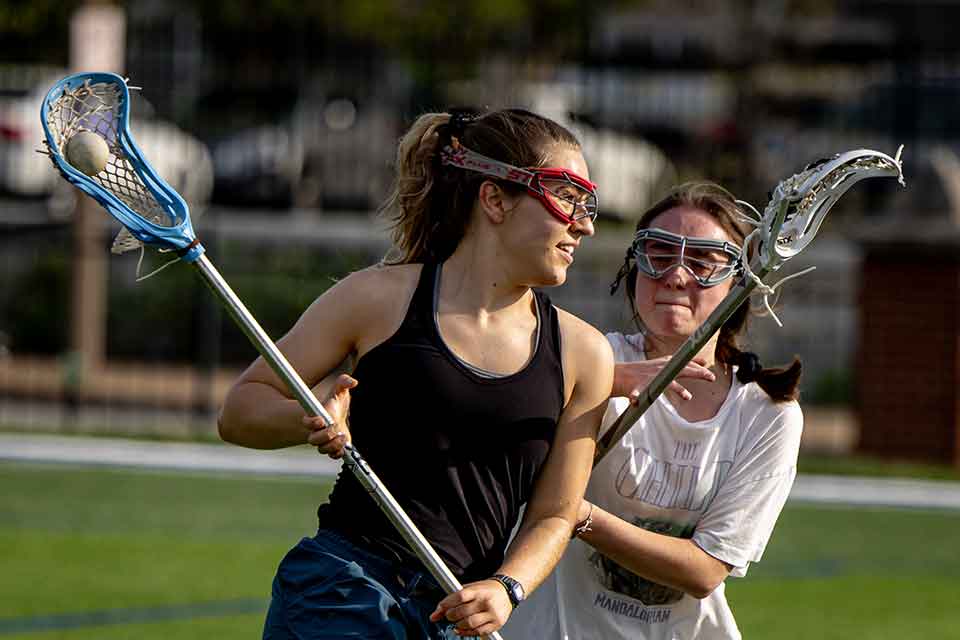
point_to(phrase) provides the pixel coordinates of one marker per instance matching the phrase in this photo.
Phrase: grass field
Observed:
(109, 554)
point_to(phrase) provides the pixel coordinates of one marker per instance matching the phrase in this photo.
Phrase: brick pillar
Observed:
(97, 43)
(908, 386)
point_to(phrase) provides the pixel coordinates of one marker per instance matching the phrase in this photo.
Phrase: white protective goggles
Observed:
(710, 262)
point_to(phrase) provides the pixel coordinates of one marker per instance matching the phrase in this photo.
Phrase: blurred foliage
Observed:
(412, 25)
(35, 31)
(38, 310)
(33, 16)
(152, 320)
(857, 465)
(831, 387)
(172, 317)
(406, 28)
(277, 283)
(464, 32)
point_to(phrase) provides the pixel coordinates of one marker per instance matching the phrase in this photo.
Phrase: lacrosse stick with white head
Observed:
(788, 224)
(153, 214)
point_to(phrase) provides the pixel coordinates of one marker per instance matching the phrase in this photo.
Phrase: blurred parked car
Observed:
(349, 151)
(179, 158)
(630, 172)
(261, 165)
(23, 171)
(330, 153)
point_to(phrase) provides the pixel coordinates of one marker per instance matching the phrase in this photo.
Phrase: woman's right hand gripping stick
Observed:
(331, 440)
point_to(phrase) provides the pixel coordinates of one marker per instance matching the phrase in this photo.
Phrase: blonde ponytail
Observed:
(408, 205)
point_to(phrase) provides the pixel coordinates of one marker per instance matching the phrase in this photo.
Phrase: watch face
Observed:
(513, 587)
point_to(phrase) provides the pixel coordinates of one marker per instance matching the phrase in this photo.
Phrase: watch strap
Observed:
(514, 589)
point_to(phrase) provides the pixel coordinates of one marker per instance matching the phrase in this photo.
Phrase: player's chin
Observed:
(675, 327)
(549, 270)
(554, 276)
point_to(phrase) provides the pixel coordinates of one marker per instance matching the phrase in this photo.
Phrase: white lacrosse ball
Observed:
(87, 152)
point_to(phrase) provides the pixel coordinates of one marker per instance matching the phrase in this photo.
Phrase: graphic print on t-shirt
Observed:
(670, 484)
(687, 479)
(620, 579)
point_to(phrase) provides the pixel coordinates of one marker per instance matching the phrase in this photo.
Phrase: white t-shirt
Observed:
(721, 482)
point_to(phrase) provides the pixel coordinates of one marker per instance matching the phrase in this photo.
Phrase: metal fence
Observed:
(171, 353)
(298, 134)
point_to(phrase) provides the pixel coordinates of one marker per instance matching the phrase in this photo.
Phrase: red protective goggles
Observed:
(563, 193)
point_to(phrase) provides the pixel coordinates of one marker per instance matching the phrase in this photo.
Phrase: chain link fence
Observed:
(300, 131)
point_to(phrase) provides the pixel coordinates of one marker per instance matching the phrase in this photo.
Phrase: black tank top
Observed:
(458, 449)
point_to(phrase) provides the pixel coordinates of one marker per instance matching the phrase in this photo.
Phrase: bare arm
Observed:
(666, 560)
(552, 512)
(350, 317)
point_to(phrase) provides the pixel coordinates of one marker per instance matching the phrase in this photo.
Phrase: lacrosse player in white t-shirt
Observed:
(691, 493)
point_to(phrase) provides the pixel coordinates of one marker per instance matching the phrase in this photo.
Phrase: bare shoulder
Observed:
(382, 279)
(582, 338)
(376, 289)
(587, 358)
(370, 304)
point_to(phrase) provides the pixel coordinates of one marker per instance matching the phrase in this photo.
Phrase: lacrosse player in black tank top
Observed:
(475, 394)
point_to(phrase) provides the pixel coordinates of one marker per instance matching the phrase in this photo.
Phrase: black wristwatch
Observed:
(514, 588)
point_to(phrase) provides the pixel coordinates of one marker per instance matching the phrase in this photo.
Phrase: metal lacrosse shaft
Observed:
(737, 296)
(304, 395)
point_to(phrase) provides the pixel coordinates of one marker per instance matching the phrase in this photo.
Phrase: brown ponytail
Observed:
(782, 384)
(409, 203)
(430, 205)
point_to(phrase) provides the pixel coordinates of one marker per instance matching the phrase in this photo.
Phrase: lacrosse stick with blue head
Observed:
(791, 219)
(155, 215)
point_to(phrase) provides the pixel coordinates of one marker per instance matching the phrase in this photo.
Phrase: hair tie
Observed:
(460, 119)
(748, 367)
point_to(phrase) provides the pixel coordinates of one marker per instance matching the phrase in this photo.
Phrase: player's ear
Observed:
(495, 202)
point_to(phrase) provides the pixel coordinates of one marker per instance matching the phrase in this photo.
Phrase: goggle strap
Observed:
(457, 155)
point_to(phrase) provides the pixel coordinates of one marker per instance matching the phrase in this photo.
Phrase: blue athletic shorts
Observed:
(326, 587)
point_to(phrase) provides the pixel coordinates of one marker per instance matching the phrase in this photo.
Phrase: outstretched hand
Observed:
(331, 440)
(479, 609)
(630, 378)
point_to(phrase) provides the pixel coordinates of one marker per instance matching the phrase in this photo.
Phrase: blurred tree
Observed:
(32, 16)
(280, 47)
(35, 31)
(452, 35)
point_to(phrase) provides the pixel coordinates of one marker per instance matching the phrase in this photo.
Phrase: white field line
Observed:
(74, 450)
(879, 492)
(163, 455)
